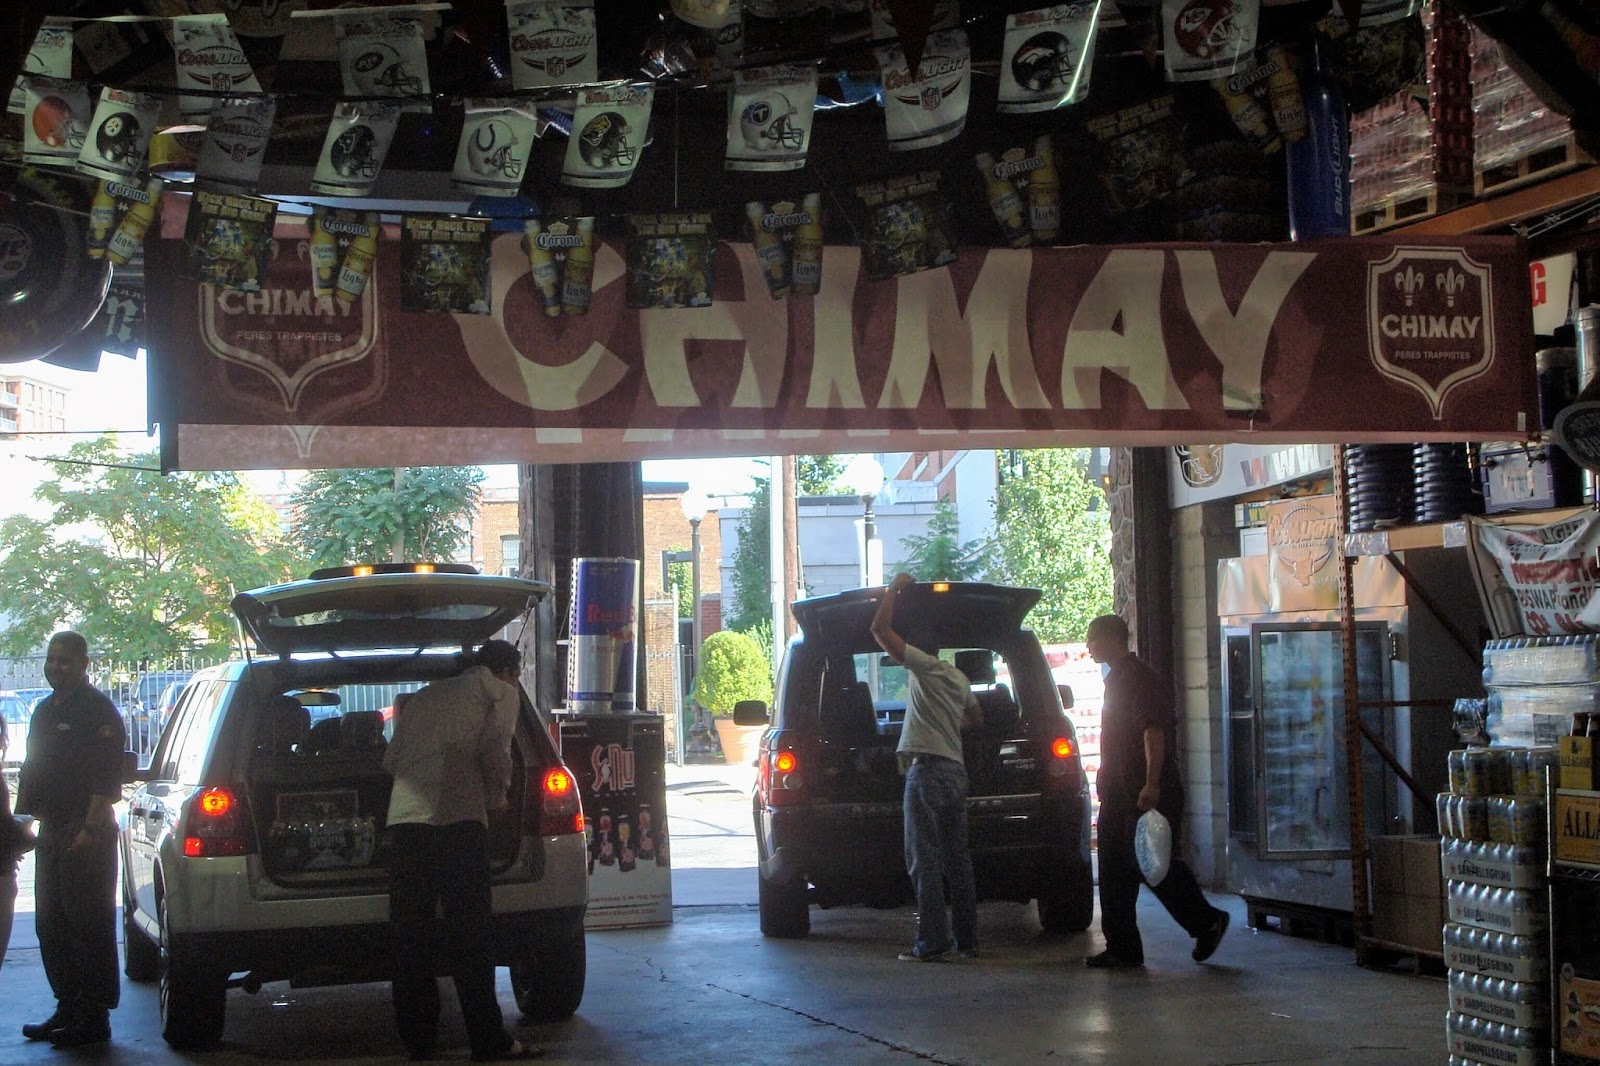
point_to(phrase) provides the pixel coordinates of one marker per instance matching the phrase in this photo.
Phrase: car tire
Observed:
(1067, 905)
(141, 958)
(548, 983)
(785, 914)
(194, 999)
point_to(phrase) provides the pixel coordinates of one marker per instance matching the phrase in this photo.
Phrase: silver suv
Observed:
(254, 849)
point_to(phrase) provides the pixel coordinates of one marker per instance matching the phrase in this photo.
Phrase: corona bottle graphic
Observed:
(129, 237)
(1005, 202)
(358, 259)
(770, 252)
(1044, 192)
(806, 276)
(542, 263)
(102, 219)
(1283, 94)
(575, 288)
(324, 254)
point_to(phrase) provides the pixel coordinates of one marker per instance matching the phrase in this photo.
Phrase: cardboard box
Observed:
(1576, 755)
(1423, 876)
(1577, 826)
(1425, 924)
(1389, 918)
(1388, 866)
(1579, 1022)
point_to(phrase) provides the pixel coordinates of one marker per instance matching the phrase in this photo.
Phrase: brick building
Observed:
(496, 544)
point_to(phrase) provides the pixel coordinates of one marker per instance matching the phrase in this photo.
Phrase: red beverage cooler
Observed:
(619, 761)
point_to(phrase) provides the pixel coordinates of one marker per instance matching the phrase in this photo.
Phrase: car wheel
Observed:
(785, 914)
(548, 983)
(141, 959)
(1066, 905)
(194, 999)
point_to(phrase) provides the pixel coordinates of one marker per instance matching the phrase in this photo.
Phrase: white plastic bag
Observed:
(1152, 846)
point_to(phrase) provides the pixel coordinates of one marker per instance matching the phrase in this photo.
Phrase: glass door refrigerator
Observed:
(1288, 774)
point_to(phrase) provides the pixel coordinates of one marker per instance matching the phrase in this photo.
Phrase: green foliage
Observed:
(818, 475)
(938, 555)
(761, 633)
(352, 516)
(681, 576)
(143, 564)
(732, 668)
(752, 570)
(1052, 533)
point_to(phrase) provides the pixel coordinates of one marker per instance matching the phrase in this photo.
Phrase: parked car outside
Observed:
(16, 711)
(827, 799)
(142, 710)
(254, 848)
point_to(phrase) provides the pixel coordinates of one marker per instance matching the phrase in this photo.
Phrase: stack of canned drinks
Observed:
(1537, 684)
(1495, 940)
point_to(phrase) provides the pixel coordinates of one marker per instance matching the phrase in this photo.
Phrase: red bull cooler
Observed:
(601, 657)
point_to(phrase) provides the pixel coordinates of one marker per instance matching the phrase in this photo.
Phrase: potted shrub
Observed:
(732, 668)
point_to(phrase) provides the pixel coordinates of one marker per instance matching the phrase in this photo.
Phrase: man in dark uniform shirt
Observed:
(70, 780)
(1139, 772)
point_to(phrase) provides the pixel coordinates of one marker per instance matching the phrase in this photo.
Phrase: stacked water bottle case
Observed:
(1497, 905)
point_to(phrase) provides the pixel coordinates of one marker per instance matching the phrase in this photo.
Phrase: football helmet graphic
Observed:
(604, 141)
(380, 70)
(354, 152)
(1207, 28)
(767, 123)
(117, 139)
(1045, 59)
(490, 150)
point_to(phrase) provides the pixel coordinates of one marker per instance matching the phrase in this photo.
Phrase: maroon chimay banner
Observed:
(1341, 341)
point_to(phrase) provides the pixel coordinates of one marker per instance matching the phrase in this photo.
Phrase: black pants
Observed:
(1120, 879)
(448, 865)
(75, 900)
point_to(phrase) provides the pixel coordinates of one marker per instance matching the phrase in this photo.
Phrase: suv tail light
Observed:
(553, 804)
(778, 778)
(1063, 749)
(215, 823)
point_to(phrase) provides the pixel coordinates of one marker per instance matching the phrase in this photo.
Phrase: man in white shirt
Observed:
(939, 705)
(451, 761)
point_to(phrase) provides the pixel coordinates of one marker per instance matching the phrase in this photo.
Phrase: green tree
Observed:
(681, 575)
(1052, 533)
(142, 563)
(352, 516)
(817, 475)
(732, 668)
(938, 554)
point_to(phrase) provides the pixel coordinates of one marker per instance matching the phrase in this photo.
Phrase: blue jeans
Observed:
(937, 856)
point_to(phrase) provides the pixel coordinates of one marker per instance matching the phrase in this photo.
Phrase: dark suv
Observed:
(828, 793)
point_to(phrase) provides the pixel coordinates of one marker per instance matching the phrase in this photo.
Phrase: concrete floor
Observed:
(710, 989)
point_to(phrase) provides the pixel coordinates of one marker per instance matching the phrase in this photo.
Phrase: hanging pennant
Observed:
(496, 138)
(608, 132)
(787, 238)
(56, 120)
(384, 56)
(1047, 57)
(906, 226)
(119, 216)
(671, 260)
(118, 143)
(553, 42)
(561, 263)
(208, 56)
(50, 55)
(236, 142)
(1203, 40)
(769, 122)
(120, 323)
(709, 31)
(229, 239)
(353, 151)
(930, 107)
(444, 264)
(946, 15)
(1024, 190)
(342, 249)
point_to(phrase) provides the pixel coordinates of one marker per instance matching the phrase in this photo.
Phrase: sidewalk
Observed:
(713, 835)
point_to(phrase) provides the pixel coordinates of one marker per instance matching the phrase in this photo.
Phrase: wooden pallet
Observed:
(1384, 955)
(1547, 162)
(1399, 210)
(1296, 919)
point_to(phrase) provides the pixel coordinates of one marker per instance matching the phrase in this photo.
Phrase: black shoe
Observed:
(82, 1033)
(1205, 945)
(1107, 961)
(42, 1030)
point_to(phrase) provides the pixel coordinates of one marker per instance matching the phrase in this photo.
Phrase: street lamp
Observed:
(864, 476)
(693, 504)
